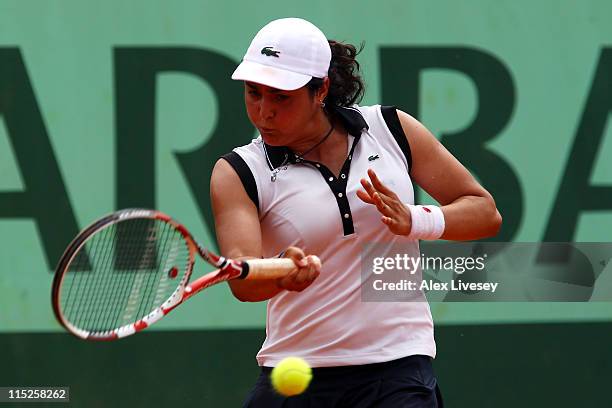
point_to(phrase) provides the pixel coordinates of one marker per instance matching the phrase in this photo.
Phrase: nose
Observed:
(266, 108)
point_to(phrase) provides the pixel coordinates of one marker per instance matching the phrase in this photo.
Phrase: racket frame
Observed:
(227, 269)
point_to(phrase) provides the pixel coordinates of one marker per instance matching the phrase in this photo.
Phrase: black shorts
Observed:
(406, 382)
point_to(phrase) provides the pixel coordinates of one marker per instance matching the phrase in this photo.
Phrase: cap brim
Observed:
(271, 76)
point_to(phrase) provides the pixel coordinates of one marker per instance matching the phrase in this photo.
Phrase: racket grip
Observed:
(273, 268)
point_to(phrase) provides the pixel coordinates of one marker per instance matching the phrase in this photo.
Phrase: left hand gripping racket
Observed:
(129, 269)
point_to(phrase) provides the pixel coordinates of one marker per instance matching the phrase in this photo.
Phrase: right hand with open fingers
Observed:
(308, 269)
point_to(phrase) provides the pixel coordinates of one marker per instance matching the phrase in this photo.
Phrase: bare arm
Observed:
(469, 210)
(239, 237)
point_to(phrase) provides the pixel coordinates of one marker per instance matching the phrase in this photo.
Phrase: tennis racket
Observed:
(129, 269)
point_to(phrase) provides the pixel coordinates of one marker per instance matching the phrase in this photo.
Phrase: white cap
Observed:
(285, 54)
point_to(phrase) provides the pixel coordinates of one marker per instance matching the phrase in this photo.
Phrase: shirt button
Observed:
(346, 215)
(339, 194)
(343, 176)
(331, 179)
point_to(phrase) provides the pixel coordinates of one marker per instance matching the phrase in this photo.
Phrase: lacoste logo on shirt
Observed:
(373, 157)
(268, 51)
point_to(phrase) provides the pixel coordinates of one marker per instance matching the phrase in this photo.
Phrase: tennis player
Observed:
(328, 177)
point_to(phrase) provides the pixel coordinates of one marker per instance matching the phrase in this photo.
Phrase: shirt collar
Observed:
(352, 120)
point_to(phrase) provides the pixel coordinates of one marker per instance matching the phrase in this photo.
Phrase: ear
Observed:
(323, 90)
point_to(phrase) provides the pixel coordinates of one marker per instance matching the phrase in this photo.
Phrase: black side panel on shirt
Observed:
(245, 174)
(393, 123)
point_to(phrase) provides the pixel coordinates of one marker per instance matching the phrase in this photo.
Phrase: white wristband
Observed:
(427, 222)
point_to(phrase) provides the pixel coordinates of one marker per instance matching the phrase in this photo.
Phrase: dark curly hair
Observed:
(346, 85)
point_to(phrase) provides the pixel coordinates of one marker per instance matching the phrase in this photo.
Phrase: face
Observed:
(282, 117)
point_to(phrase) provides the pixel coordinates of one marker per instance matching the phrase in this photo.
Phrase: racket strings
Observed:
(83, 290)
(115, 283)
(142, 260)
(121, 274)
(167, 283)
(97, 289)
(152, 285)
(98, 296)
(120, 281)
(137, 259)
(133, 244)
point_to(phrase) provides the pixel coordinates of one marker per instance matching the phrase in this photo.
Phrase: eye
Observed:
(281, 97)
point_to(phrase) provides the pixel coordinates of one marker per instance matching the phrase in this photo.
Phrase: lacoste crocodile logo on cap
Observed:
(268, 51)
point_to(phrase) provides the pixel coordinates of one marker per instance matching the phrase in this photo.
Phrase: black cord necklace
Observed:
(301, 156)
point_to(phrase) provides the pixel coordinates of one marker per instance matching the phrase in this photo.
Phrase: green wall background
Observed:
(84, 83)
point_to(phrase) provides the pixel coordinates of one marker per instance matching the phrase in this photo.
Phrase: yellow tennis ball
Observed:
(291, 376)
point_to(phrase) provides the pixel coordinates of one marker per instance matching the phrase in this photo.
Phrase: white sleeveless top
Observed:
(306, 206)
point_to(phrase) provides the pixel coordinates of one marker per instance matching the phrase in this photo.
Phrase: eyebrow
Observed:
(272, 90)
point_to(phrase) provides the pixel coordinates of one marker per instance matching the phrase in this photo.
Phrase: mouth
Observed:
(267, 131)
